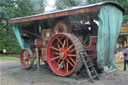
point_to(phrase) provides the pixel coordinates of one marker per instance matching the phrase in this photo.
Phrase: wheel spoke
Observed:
(56, 53)
(64, 43)
(72, 60)
(29, 59)
(26, 53)
(73, 55)
(67, 66)
(58, 61)
(67, 42)
(60, 65)
(24, 58)
(29, 62)
(58, 45)
(69, 62)
(64, 65)
(55, 58)
(26, 62)
(73, 50)
(59, 41)
(55, 48)
(69, 47)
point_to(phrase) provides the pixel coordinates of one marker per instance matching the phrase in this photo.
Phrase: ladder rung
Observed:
(84, 70)
(83, 53)
(88, 61)
(95, 76)
(92, 71)
(89, 66)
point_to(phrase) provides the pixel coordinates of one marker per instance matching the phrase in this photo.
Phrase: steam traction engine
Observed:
(58, 37)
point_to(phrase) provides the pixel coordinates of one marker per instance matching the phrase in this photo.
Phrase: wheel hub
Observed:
(62, 54)
(27, 58)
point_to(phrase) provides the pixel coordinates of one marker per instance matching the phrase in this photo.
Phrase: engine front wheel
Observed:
(26, 58)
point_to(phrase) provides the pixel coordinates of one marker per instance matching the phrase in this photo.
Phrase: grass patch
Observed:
(9, 58)
(120, 67)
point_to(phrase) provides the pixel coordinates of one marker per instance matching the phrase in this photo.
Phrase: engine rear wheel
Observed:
(63, 54)
(26, 58)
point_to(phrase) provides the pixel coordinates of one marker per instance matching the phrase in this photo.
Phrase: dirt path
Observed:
(11, 73)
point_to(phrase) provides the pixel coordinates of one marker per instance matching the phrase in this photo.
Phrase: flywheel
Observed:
(63, 54)
(60, 25)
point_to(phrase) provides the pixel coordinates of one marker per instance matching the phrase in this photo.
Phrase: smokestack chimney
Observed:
(35, 6)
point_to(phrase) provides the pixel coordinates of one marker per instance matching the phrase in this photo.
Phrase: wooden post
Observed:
(37, 59)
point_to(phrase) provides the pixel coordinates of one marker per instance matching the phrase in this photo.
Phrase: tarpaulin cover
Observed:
(23, 44)
(110, 22)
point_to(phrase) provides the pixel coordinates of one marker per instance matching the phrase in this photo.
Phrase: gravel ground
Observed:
(11, 73)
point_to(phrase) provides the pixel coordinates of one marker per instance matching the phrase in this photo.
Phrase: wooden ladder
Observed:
(89, 67)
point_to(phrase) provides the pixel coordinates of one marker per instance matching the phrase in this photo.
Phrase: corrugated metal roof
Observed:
(21, 19)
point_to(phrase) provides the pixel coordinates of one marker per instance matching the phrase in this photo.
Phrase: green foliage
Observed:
(62, 4)
(8, 41)
(41, 6)
(17, 8)
(124, 4)
(11, 9)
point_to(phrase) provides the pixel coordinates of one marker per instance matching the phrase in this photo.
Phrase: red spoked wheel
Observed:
(63, 54)
(26, 58)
